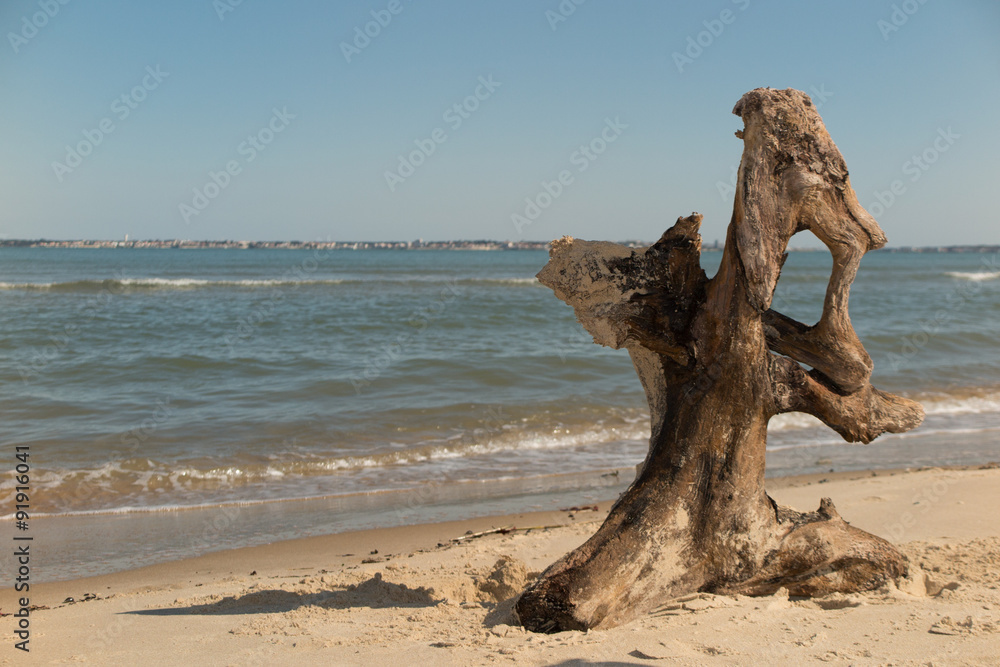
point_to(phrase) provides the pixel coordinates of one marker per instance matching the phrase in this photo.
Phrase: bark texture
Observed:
(716, 364)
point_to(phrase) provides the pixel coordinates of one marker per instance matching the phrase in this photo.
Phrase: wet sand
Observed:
(434, 594)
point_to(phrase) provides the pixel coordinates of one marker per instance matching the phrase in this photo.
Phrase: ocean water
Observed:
(235, 397)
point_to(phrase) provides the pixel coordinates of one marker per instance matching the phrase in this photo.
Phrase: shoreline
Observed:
(433, 594)
(796, 445)
(85, 545)
(413, 538)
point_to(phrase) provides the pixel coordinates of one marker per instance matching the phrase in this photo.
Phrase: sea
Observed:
(172, 402)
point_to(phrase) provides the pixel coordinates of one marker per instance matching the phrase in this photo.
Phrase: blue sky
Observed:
(254, 121)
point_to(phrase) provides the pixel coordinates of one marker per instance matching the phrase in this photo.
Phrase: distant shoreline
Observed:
(179, 244)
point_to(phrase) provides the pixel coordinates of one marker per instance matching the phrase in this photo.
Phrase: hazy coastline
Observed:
(420, 244)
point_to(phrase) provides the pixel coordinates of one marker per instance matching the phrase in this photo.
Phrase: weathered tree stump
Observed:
(716, 364)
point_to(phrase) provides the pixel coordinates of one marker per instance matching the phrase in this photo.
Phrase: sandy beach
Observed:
(439, 594)
(480, 333)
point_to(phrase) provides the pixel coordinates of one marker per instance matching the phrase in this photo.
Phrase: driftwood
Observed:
(503, 530)
(716, 364)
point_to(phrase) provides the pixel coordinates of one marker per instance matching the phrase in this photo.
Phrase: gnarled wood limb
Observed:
(843, 361)
(858, 417)
(697, 517)
(622, 296)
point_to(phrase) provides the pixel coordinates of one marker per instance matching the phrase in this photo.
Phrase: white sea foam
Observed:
(137, 478)
(975, 276)
(113, 284)
(161, 283)
(972, 405)
(13, 286)
(136, 483)
(793, 420)
(201, 282)
(509, 281)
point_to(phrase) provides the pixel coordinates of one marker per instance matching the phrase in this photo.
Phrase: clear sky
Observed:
(284, 120)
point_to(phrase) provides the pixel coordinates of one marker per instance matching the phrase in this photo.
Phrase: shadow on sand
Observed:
(373, 593)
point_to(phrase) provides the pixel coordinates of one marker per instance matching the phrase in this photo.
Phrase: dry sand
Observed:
(317, 601)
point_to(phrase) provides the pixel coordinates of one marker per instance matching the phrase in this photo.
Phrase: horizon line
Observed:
(418, 244)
